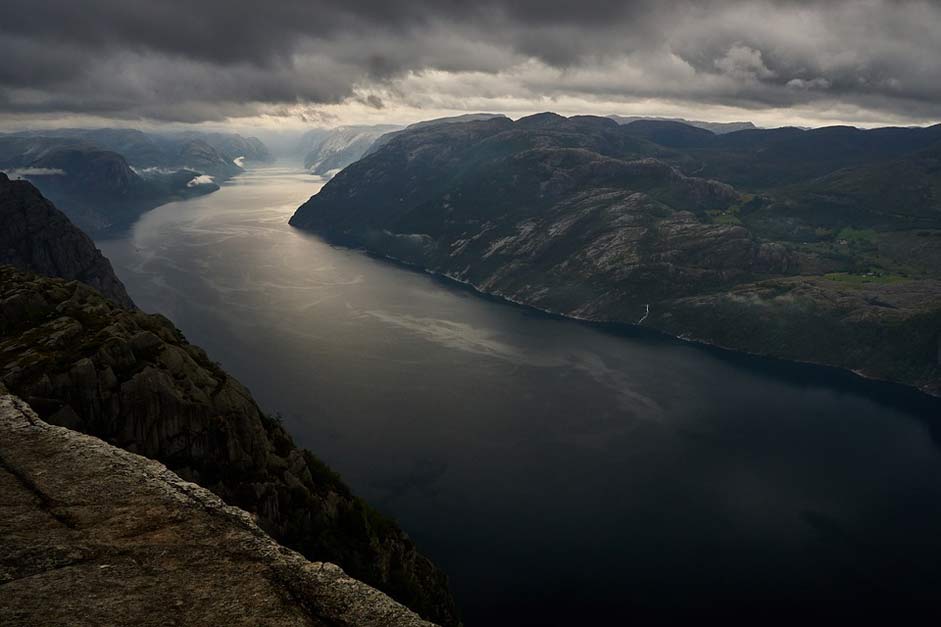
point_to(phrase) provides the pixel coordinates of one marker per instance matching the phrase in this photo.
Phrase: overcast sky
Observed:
(325, 62)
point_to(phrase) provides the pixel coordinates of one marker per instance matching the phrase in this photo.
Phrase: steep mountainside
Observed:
(339, 147)
(38, 237)
(133, 380)
(604, 222)
(93, 535)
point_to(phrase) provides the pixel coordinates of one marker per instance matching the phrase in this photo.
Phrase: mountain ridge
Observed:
(592, 220)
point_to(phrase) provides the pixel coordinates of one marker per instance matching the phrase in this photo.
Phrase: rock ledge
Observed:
(91, 534)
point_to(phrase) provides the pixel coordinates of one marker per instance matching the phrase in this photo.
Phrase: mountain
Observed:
(199, 155)
(234, 147)
(718, 128)
(633, 224)
(767, 158)
(160, 150)
(98, 188)
(457, 119)
(337, 148)
(105, 178)
(329, 150)
(39, 238)
(117, 539)
(132, 380)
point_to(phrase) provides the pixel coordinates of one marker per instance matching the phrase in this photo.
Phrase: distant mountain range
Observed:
(817, 245)
(716, 127)
(329, 150)
(105, 178)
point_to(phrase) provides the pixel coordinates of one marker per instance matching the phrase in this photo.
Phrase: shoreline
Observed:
(850, 375)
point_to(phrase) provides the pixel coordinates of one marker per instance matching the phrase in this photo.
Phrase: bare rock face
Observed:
(82, 362)
(36, 236)
(93, 535)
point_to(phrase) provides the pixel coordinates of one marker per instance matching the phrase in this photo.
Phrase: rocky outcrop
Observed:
(132, 379)
(93, 535)
(38, 237)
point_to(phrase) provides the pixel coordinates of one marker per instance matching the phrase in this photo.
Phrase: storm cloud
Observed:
(196, 61)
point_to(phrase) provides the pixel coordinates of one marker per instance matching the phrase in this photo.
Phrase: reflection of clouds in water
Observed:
(457, 335)
(467, 338)
(628, 398)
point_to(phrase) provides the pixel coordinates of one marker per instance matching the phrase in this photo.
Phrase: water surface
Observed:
(556, 470)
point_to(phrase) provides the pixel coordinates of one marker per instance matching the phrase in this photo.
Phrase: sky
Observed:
(300, 63)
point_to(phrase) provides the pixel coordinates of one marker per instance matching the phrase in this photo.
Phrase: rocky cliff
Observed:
(131, 379)
(38, 237)
(94, 535)
(582, 217)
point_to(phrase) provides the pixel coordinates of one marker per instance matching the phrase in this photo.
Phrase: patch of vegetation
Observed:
(729, 215)
(850, 234)
(865, 278)
(726, 218)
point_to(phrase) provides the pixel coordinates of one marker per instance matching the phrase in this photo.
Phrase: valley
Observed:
(524, 430)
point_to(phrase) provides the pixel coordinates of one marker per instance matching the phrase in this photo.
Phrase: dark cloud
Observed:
(192, 61)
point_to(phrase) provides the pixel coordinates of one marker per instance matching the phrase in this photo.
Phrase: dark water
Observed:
(560, 473)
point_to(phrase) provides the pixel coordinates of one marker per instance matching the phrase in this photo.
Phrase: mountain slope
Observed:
(38, 237)
(593, 220)
(337, 148)
(763, 159)
(456, 119)
(134, 381)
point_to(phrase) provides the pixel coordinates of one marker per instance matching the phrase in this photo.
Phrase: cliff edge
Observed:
(131, 379)
(36, 236)
(115, 538)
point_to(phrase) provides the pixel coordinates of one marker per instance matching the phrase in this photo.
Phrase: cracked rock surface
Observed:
(91, 534)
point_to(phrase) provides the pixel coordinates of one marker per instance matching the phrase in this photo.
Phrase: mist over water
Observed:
(554, 469)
